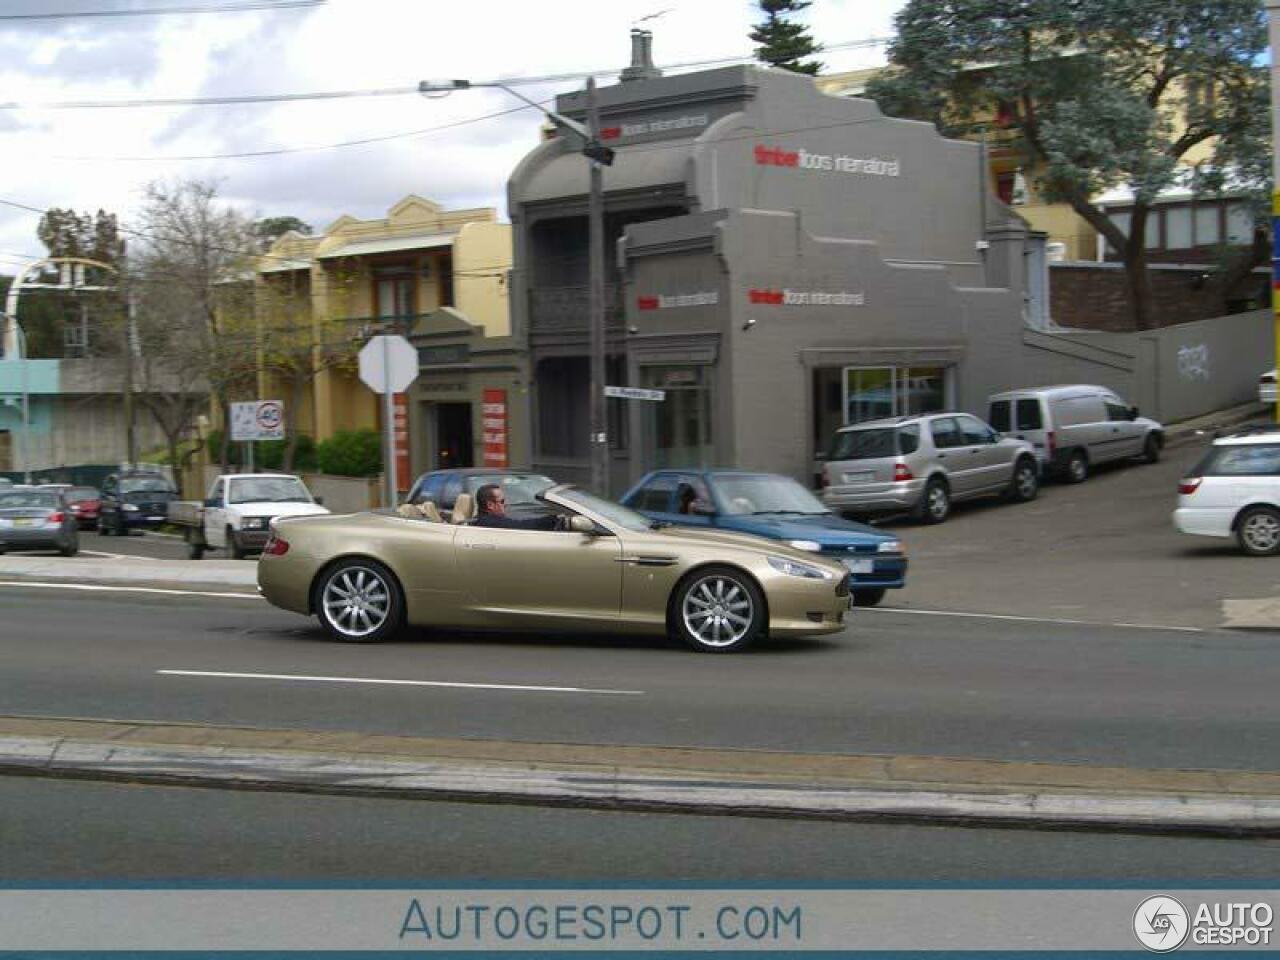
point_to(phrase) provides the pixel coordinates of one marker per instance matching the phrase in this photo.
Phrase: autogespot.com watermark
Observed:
(489, 924)
(1162, 924)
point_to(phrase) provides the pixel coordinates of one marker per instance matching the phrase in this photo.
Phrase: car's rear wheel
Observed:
(868, 598)
(1258, 531)
(359, 601)
(195, 546)
(1151, 449)
(70, 548)
(717, 610)
(1026, 481)
(233, 546)
(1077, 467)
(935, 502)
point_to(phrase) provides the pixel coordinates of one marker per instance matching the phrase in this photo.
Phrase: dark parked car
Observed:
(777, 507)
(134, 501)
(442, 487)
(35, 519)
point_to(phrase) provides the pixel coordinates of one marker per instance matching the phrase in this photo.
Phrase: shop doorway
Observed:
(454, 440)
(679, 427)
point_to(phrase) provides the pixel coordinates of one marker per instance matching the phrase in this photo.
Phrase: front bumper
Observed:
(806, 608)
(888, 571)
(144, 521)
(252, 539)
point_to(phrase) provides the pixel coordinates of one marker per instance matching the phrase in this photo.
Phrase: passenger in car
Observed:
(491, 506)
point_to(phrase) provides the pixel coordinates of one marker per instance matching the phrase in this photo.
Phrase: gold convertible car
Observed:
(610, 569)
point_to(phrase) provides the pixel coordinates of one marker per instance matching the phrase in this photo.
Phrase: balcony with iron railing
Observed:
(568, 309)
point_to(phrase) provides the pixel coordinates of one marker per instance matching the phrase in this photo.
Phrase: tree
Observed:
(47, 314)
(270, 229)
(782, 43)
(191, 278)
(66, 233)
(1097, 94)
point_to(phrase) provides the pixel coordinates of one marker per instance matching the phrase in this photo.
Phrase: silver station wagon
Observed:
(924, 463)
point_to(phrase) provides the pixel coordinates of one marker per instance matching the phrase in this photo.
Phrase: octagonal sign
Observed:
(388, 362)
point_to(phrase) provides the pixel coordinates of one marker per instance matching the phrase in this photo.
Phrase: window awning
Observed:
(359, 248)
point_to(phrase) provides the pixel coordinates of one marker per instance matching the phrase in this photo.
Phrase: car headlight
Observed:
(256, 523)
(812, 546)
(891, 546)
(129, 508)
(793, 568)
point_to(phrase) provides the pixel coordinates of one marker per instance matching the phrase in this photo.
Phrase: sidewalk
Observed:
(917, 789)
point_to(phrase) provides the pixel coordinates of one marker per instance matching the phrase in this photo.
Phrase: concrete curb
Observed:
(1153, 801)
(168, 574)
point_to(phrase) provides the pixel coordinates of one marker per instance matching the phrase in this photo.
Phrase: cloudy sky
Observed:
(92, 156)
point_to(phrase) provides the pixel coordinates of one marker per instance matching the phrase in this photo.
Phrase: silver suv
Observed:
(923, 464)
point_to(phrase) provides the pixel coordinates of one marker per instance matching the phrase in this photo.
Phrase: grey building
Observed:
(780, 262)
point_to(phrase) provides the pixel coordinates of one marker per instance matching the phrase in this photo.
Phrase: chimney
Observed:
(642, 67)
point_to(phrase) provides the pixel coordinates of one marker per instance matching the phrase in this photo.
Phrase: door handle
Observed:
(481, 546)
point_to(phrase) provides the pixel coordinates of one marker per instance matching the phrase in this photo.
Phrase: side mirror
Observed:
(701, 508)
(579, 524)
(1133, 413)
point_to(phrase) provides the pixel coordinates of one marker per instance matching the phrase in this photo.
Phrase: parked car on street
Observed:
(35, 519)
(1234, 491)
(442, 487)
(85, 502)
(237, 514)
(923, 464)
(778, 508)
(1075, 428)
(134, 500)
(1267, 388)
(604, 569)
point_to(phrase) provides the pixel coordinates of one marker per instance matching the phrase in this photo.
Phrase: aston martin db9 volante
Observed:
(608, 569)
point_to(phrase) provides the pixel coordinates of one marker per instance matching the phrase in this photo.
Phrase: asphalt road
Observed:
(1104, 550)
(893, 683)
(64, 831)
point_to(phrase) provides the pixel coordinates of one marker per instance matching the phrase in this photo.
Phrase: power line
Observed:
(248, 5)
(324, 95)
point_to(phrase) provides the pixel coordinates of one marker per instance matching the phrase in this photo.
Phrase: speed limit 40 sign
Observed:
(257, 420)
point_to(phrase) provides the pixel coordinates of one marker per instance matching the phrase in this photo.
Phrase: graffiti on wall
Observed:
(1193, 362)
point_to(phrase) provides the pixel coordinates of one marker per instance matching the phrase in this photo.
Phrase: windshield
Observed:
(615, 513)
(154, 484)
(267, 489)
(10, 499)
(765, 493)
(519, 487)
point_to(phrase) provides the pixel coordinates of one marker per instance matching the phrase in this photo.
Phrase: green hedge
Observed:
(351, 453)
(267, 454)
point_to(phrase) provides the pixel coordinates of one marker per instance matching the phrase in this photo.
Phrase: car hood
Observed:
(263, 508)
(826, 529)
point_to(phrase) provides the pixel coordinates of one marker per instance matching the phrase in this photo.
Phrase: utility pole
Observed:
(130, 345)
(599, 447)
(1273, 25)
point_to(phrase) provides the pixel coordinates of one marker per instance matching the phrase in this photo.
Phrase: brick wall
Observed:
(1095, 296)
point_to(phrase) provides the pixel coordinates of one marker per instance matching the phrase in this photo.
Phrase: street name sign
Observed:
(634, 393)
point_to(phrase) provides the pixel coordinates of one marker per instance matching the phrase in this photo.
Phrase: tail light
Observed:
(276, 546)
(901, 472)
(57, 516)
(1189, 485)
(1050, 443)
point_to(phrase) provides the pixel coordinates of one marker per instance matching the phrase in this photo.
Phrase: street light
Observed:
(599, 156)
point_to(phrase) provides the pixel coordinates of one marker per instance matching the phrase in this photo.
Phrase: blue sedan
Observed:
(779, 508)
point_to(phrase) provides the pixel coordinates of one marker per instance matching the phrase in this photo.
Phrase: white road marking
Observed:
(108, 588)
(115, 556)
(404, 683)
(1006, 616)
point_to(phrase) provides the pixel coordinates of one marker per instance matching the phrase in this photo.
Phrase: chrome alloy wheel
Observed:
(717, 611)
(1026, 481)
(356, 601)
(1260, 531)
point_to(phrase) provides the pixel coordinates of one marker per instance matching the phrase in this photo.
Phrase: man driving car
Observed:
(491, 511)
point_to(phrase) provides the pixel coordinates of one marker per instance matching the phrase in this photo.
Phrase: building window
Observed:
(444, 267)
(75, 338)
(394, 292)
(1151, 234)
(562, 407)
(1239, 224)
(681, 424)
(1177, 228)
(1208, 225)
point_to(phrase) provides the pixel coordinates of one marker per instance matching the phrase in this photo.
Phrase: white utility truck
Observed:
(237, 514)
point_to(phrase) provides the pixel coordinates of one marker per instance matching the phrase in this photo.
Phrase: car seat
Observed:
(430, 511)
(463, 508)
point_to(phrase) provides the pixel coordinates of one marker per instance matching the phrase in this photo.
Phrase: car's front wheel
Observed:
(717, 610)
(868, 598)
(359, 601)
(1151, 449)
(1026, 481)
(1258, 531)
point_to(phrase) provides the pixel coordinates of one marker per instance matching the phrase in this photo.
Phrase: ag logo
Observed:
(1161, 924)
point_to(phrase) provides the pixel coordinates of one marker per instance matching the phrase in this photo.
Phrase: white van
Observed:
(1073, 428)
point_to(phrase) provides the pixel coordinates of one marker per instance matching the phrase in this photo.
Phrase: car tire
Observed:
(195, 549)
(935, 502)
(104, 527)
(1151, 449)
(716, 610)
(1258, 531)
(71, 548)
(233, 546)
(1077, 469)
(1025, 484)
(868, 598)
(359, 601)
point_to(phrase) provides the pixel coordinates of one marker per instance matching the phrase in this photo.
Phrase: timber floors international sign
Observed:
(567, 920)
